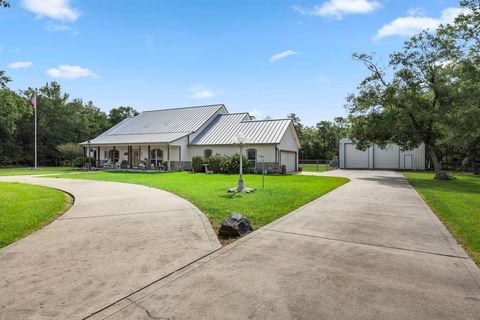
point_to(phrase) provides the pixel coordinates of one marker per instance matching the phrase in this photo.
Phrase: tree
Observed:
(12, 110)
(70, 151)
(3, 77)
(116, 115)
(414, 105)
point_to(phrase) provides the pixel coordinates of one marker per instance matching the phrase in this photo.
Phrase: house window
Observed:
(207, 153)
(113, 155)
(156, 157)
(252, 156)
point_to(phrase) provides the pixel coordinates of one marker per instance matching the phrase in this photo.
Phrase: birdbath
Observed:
(240, 139)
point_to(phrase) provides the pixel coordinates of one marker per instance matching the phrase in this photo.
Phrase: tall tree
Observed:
(116, 115)
(412, 107)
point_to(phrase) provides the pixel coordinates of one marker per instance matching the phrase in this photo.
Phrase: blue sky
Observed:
(269, 57)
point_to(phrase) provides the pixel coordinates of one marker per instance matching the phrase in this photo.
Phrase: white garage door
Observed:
(355, 159)
(388, 158)
(288, 159)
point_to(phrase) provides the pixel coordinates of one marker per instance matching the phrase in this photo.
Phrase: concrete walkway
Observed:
(116, 239)
(371, 249)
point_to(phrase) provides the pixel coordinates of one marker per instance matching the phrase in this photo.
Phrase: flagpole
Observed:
(35, 131)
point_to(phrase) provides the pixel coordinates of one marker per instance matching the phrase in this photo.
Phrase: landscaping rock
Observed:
(442, 176)
(236, 225)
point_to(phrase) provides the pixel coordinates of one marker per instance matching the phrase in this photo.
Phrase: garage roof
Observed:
(225, 127)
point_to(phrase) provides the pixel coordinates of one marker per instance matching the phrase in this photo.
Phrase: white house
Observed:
(391, 157)
(169, 139)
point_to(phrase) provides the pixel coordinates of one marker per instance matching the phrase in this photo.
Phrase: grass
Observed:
(281, 194)
(25, 208)
(24, 171)
(312, 167)
(456, 202)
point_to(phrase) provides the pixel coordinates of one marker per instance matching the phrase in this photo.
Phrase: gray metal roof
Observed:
(226, 126)
(159, 125)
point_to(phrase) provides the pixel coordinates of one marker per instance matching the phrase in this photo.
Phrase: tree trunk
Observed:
(439, 173)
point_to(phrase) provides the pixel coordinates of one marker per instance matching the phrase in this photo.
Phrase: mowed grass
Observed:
(457, 204)
(281, 194)
(25, 208)
(24, 171)
(312, 167)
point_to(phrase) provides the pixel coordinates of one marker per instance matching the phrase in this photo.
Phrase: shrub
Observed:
(232, 164)
(215, 163)
(197, 164)
(70, 151)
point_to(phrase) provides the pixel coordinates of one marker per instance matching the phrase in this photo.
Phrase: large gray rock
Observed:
(235, 225)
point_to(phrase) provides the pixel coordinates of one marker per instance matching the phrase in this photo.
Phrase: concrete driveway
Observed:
(116, 239)
(371, 249)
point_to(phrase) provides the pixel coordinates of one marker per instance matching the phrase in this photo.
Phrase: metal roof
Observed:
(159, 125)
(188, 119)
(225, 127)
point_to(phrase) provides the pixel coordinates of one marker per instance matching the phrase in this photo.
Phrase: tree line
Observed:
(59, 121)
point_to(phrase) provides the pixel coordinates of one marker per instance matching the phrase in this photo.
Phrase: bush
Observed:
(215, 164)
(70, 152)
(197, 164)
(232, 164)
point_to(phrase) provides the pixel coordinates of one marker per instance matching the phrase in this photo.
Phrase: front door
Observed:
(136, 158)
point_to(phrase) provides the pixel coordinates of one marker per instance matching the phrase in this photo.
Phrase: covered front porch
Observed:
(141, 157)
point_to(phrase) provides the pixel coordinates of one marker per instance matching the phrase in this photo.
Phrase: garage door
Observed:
(288, 159)
(388, 158)
(355, 159)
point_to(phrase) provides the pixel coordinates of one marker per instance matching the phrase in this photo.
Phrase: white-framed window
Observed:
(156, 157)
(207, 153)
(252, 156)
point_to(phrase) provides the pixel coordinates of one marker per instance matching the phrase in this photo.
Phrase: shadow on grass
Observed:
(450, 186)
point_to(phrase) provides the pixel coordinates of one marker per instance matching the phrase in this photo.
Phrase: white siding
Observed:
(390, 158)
(289, 141)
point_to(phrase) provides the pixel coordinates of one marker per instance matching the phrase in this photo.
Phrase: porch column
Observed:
(84, 156)
(130, 157)
(98, 157)
(168, 157)
(113, 157)
(148, 157)
(180, 157)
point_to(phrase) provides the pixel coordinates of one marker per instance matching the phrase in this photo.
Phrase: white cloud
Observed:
(256, 113)
(337, 9)
(282, 55)
(54, 9)
(71, 72)
(202, 94)
(415, 22)
(20, 65)
(57, 28)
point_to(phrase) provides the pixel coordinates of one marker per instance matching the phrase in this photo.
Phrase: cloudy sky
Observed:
(269, 57)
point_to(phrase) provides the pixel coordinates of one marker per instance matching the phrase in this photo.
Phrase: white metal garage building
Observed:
(392, 157)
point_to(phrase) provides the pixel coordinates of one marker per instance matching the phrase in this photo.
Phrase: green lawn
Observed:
(312, 167)
(281, 195)
(25, 208)
(23, 171)
(457, 204)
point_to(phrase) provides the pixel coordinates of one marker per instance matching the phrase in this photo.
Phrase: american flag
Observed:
(34, 102)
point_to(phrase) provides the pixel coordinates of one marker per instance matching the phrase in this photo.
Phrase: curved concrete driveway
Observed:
(370, 249)
(115, 239)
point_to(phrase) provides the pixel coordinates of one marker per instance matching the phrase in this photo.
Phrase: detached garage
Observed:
(391, 157)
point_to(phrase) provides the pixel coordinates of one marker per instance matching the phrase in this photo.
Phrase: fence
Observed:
(317, 165)
(458, 166)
